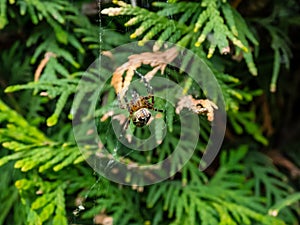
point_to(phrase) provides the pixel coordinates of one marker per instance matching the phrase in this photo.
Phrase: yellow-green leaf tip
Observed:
(52, 120)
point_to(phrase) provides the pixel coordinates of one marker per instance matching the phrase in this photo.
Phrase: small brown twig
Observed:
(42, 64)
(280, 160)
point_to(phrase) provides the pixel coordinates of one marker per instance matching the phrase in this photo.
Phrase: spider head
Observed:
(141, 117)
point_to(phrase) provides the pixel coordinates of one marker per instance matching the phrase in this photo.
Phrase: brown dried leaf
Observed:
(210, 106)
(121, 118)
(112, 11)
(199, 106)
(158, 60)
(107, 54)
(225, 51)
(117, 80)
(127, 80)
(151, 74)
(42, 64)
(79, 200)
(103, 219)
(129, 137)
(107, 115)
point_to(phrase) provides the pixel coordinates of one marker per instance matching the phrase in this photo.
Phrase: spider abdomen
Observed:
(141, 117)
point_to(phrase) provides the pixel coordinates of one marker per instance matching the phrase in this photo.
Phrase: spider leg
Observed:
(121, 105)
(157, 110)
(126, 123)
(135, 97)
(148, 98)
(128, 119)
(125, 106)
(148, 86)
(151, 105)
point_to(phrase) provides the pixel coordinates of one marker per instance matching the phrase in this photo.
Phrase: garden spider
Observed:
(139, 107)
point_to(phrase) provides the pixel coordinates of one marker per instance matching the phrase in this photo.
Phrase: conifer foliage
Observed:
(45, 49)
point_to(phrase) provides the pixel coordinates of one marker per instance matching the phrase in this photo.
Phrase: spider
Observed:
(139, 107)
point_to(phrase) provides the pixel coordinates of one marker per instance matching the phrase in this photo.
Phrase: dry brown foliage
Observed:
(103, 219)
(157, 60)
(199, 106)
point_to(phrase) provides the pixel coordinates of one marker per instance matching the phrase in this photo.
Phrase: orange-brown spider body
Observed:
(139, 111)
(139, 107)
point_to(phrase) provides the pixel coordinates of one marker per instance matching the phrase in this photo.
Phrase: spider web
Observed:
(100, 119)
(126, 156)
(111, 130)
